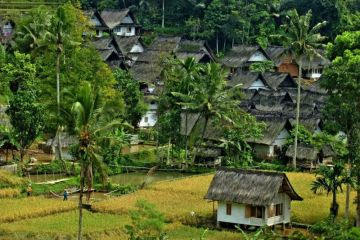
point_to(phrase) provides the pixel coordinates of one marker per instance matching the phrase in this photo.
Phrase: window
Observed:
(278, 209)
(228, 209)
(128, 29)
(254, 211)
(146, 119)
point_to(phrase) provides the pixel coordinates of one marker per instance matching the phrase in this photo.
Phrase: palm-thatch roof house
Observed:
(274, 138)
(130, 47)
(242, 56)
(307, 156)
(252, 198)
(109, 51)
(265, 81)
(199, 50)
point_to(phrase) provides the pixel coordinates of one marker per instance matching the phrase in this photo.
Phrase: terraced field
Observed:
(12, 7)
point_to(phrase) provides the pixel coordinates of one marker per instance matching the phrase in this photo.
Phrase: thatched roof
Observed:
(257, 188)
(246, 79)
(239, 55)
(304, 152)
(127, 43)
(316, 61)
(278, 80)
(167, 44)
(276, 53)
(113, 18)
(146, 72)
(150, 63)
(196, 49)
(66, 141)
(273, 128)
(272, 80)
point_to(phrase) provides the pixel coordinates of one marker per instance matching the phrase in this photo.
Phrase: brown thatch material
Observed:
(113, 18)
(304, 152)
(127, 43)
(66, 141)
(196, 49)
(279, 80)
(273, 129)
(257, 188)
(276, 53)
(239, 55)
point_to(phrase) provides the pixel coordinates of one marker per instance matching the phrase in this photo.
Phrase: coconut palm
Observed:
(93, 120)
(331, 180)
(303, 42)
(210, 98)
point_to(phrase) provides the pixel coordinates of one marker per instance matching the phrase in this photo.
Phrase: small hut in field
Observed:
(252, 198)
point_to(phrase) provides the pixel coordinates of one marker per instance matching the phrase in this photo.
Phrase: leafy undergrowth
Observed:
(176, 199)
(23, 208)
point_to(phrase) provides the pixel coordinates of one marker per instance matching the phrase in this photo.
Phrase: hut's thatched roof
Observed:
(196, 49)
(304, 152)
(240, 54)
(273, 128)
(127, 43)
(66, 140)
(149, 65)
(278, 80)
(246, 79)
(113, 18)
(276, 53)
(257, 188)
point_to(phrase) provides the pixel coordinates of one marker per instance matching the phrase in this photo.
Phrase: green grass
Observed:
(39, 189)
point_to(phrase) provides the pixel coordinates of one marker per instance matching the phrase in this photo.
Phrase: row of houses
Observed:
(270, 96)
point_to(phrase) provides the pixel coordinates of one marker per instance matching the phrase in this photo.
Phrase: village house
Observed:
(285, 63)
(109, 51)
(266, 81)
(274, 137)
(240, 57)
(130, 47)
(150, 117)
(252, 198)
(115, 22)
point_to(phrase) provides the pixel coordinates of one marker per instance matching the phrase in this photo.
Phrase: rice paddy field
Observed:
(42, 218)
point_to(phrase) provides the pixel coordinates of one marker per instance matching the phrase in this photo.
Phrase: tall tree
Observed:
(92, 122)
(303, 42)
(26, 115)
(342, 113)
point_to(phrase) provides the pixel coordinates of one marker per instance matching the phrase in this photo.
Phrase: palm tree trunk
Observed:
(297, 115)
(168, 153)
(59, 148)
(217, 42)
(186, 140)
(82, 181)
(334, 207)
(358, 202)
(163, 14)
(348, 189)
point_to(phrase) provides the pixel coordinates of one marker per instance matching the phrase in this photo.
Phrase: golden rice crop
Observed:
(176, 199)
(7, 178)
(22, 208)
(66, 224)
(9, 192)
